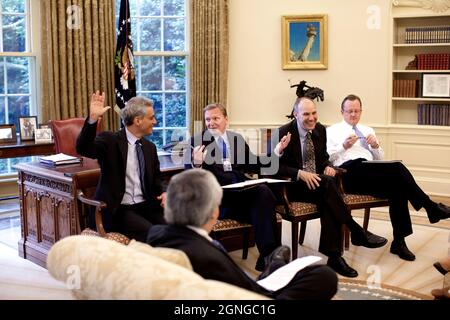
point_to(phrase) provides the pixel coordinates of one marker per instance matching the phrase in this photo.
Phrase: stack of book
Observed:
(433, 61)
(405, 88)
(429, 34)
(433, 114)
(59, 159)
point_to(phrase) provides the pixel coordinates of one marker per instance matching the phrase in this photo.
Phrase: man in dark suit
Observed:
(305, 161)
(349, 144)
(192, 209)
(130, 181)
(228, 157)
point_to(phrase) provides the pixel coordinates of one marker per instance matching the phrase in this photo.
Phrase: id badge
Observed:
(227, 165)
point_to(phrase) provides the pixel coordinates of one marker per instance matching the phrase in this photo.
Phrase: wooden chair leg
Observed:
(346, 238)
(294, 240)
(366, 218)
(245, 241)
(302, 232)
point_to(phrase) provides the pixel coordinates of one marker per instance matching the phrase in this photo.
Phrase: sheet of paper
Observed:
(281, 277)
(252, 182)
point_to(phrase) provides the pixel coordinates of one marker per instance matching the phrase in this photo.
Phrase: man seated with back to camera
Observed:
(192, 209)
(226, 154)
(349, 144)
(130, 182)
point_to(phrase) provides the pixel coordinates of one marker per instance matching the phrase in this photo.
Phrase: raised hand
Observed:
(199, 155)
(97, 108)
(283, 142)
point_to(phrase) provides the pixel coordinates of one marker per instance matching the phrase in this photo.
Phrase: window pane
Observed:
(18, 106)
(150, 7)
(175, 77)
(2, 111)
(13, 33)
(174, 35)
(17, 75)
(151, 73)
(175, 135)
(175, 110)
(2, 75)
(157, 138)
(16, 6)
(174, 7)
(150, 35)
(157, 106)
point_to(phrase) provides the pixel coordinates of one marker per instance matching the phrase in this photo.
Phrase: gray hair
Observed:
(135, 107)
(217, 105)
(191, 198)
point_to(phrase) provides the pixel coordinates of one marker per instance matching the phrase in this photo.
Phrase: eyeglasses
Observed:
(352, 111)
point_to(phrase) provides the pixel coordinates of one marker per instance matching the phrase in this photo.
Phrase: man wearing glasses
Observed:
(350, 144)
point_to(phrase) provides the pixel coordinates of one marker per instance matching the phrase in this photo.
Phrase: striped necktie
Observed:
(141, 161)
(361, 137)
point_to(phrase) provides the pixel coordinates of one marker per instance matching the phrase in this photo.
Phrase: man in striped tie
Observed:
(349, 145)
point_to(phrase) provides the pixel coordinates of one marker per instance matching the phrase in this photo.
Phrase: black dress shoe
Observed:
(399, 248)
(438, 212)
(440, 268)
(368, 239)
(278, 258)
(340, 266)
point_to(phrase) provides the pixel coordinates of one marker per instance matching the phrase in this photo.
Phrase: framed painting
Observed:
(304, 42)
(436, 85)
(28, 125)
(7, 133)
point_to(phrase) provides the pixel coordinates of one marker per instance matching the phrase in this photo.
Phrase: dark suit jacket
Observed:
(242, 159)
(291, 160)
(206, 259)
(110, 149)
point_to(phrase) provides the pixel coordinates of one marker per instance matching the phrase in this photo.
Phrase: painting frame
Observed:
(8, 133)
(300, 50)
(435, 85)
(27, 127)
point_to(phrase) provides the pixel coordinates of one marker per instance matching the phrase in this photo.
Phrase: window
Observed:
(159, 31)
(17, 66)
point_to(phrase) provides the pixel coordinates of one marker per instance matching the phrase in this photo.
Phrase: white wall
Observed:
(259, 93)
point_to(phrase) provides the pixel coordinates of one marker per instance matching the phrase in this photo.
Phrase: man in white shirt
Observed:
(349, 144)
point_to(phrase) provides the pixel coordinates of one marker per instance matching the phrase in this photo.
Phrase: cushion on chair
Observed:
(228, 224)
(298, 208)
(360, 198)
(96, 268)
(115, 236)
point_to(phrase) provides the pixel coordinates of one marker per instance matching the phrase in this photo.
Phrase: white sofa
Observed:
(96, 268)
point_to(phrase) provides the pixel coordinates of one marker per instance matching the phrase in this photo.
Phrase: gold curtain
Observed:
(78, 39)
(209, 56)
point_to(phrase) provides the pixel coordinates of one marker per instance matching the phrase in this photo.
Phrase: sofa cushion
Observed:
(172, 255)
(96, 268)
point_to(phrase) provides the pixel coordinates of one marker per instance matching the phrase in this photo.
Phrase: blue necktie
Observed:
(362, 139)
(223, 147)
(140, 156)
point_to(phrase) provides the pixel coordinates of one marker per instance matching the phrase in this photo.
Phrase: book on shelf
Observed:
(59, 159)
(249, 183)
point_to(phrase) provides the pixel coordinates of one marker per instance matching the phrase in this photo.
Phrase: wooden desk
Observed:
(25, 149)
(49, 210)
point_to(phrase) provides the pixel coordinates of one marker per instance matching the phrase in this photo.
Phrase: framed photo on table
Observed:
(436, 85)
(28, 125)
(304, 42)
(7, 133)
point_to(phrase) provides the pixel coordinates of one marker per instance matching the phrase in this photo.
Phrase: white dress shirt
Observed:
(336, 135)
(133, 191)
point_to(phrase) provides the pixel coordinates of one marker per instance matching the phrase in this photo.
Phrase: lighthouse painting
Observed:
(304, 42)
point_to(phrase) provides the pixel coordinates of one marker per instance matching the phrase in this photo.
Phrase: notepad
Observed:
(59, 159)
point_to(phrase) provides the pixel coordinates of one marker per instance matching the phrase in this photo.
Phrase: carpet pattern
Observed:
(360, 290)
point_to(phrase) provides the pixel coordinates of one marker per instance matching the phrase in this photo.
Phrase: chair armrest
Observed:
(339, 173)
(99, 206)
